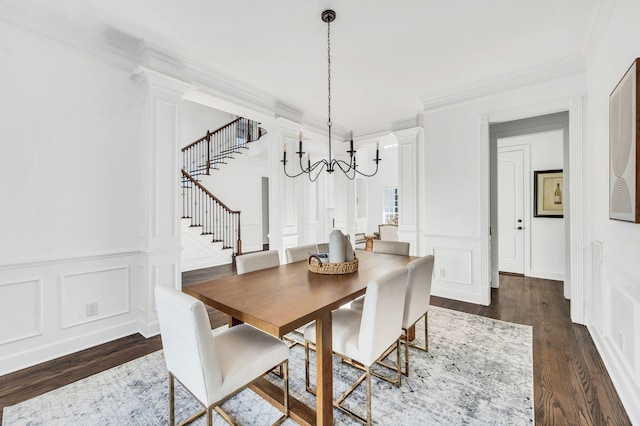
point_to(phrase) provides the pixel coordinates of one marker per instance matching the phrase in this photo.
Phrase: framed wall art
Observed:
(548, 197)
(624, 147)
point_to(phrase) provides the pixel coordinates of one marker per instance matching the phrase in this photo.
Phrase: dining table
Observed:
(281, 299)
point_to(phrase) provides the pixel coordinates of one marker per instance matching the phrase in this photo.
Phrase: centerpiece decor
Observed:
(342, 258)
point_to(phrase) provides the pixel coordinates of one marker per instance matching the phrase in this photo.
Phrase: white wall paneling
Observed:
(615, 324)
(93, 295)
(161, 238)
(44, 306)
(457, 269)
(408, 185)
(21, 307)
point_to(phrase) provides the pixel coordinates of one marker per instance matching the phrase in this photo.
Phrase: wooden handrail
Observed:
(206, 191)
(210, 133)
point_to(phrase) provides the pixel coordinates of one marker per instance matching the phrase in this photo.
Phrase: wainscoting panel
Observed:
(20, 310)
(453, 265)
(597, 286)
(614, 324)
(624, 332)
(92, 296)
(56, 306)
(457, 269)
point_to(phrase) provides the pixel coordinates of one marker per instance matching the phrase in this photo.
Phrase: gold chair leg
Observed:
(307, 346)
(369, 394)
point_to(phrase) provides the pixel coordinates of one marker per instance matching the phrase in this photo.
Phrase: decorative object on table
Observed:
(548, 193)
(342, 258)
(336, 246)
(624, 146)
(348, 249)
(317, 266)
(350, 169)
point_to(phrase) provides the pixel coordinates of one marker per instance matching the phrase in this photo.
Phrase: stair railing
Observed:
(215, 147)
(206, 210)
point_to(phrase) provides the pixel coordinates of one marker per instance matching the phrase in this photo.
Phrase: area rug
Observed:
(478, 371)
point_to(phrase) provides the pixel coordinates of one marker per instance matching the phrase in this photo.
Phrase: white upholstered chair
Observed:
(364, 336)
(388, 232)
(416, 303)
(213, 367)
(254, 261)
(391, 247)
(295, 254)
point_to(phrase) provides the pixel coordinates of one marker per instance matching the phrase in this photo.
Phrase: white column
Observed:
(160, 241)
(574, 283)
(283, 206)
(409, 141)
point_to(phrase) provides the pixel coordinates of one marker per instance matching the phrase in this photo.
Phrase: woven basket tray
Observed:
(316, 266)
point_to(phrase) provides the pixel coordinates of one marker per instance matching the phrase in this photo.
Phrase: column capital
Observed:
(158, 81)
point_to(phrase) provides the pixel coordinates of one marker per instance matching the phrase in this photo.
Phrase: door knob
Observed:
(519, 228)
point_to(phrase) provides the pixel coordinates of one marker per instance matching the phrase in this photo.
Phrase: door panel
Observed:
(511, 211)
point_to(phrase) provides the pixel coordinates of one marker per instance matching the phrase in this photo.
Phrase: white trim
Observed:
(517, 79)
(576, 208)
(485, 211)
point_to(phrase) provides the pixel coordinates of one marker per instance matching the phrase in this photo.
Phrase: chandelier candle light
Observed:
(350, 169)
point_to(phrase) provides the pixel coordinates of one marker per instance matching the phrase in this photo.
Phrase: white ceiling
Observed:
(386, 55)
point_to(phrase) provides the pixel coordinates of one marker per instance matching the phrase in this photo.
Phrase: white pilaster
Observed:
(574, 289)
(410, 142)
(160, 241)
(283, 206)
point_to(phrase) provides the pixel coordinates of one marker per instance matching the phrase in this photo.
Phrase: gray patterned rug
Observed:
(478, 371)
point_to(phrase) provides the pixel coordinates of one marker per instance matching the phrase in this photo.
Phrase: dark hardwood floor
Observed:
(571, 385)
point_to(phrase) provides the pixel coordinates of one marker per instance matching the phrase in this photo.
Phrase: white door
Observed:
(511, 210)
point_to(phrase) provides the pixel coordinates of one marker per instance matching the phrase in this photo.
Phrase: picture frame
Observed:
(624, 147)
(548, 193)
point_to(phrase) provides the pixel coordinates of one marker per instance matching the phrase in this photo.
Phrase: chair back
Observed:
(255, 261)
(391, 247)
(388, 232)
(420, 272)
(187, 343)
(295, 254)
(381, 322)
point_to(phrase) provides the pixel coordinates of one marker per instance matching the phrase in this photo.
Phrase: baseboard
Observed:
(628, 391)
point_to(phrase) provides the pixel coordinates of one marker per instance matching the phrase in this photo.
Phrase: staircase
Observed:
(199, 205)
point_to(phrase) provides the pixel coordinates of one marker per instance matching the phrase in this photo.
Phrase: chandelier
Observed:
(350, 169)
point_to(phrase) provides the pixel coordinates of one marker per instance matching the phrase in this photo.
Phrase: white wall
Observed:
(456, 169)
(613, 303)
(547, 249)
(72, 208)
(196, 119)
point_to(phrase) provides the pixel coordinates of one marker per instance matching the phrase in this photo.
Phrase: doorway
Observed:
(521, 242)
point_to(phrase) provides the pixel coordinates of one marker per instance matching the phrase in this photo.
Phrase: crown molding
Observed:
(538, 73)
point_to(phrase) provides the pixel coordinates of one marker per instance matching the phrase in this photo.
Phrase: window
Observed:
(390, 206)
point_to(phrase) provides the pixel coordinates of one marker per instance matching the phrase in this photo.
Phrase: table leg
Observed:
(324, 371)
(234, 321)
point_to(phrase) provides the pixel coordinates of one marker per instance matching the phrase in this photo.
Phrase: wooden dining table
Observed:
(281, 299)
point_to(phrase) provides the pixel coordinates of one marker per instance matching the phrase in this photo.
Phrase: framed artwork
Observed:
(624, 147)
(548, 197)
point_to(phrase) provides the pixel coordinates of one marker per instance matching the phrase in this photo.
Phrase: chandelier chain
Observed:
(329, 69)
